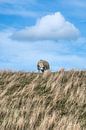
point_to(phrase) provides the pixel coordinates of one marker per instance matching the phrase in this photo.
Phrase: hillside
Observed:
(49, 101)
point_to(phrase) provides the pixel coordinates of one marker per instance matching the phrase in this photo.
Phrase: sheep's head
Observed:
(41, 67)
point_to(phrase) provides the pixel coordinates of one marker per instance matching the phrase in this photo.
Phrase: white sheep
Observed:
(43, 65)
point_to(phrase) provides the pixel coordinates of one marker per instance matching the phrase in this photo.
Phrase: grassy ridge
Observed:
(49, 101)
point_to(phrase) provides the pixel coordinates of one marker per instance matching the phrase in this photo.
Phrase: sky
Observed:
(31, 30)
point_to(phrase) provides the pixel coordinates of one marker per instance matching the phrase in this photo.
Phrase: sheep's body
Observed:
(43, 65)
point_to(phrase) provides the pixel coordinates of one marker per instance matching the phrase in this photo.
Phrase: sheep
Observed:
(43, 65)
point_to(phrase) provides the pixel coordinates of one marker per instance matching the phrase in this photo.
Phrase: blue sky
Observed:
(31, 30)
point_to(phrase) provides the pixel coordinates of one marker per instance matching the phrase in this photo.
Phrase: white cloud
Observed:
(49, 27)
(17, 2)
(22, 12)
(15, 55)
(75, 3)
(15, 7)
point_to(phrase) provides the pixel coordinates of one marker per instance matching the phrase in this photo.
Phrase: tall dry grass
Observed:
(49, 101)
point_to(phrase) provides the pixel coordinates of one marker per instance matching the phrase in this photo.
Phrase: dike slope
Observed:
(49, 101)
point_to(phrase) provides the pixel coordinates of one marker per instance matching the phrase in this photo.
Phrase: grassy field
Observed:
(49, 101)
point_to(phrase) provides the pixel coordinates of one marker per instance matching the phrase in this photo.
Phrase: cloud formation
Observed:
(75, 3)
(22, 55)
(49, 27)
(16, 1)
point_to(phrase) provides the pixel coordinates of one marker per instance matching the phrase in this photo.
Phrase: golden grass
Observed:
(49, 101)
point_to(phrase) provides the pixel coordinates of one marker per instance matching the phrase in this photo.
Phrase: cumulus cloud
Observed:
(49, 27)
(15, 55)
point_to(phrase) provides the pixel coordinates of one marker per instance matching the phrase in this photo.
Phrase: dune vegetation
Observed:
(43, 101)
